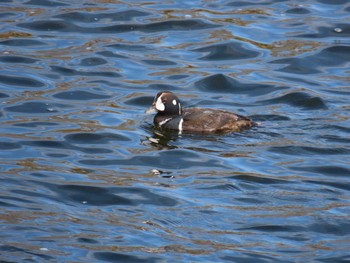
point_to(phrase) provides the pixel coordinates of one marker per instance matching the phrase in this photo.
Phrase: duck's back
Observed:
(212, 120)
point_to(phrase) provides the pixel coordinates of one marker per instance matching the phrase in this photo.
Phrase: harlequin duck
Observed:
(171, 116)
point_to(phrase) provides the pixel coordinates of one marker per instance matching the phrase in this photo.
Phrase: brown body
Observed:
(171, 116)
(209, 120)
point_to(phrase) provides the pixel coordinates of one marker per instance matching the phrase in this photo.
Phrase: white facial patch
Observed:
(159, 104)
(174, 102)
(180, 125)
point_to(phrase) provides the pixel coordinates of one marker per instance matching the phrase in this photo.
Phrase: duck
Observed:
(171, 116)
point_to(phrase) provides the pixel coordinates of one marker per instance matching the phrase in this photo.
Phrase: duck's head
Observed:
(166, 103)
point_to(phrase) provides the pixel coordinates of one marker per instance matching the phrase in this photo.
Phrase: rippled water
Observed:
(85, 178)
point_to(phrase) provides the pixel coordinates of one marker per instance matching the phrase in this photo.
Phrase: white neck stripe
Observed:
(180, 125)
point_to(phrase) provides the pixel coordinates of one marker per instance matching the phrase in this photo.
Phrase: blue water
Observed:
(86, 178)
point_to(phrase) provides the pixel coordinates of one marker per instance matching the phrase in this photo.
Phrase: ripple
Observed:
(20, 81)
(226, 51)
(298, 11)
(154, 62)
(45, 3)
(142, 101)
(332, 56)
(100, 138)
(35, 124)
(84, 17)
(224, 84)
(329, 170)
(305, 150)
(22, 42)
(34, 107)
(72, 72)
(119, 257)
(102, 196)
(169, 25)
(80, 95)
(298, 99)
(335, 2)
(64, 145)
(164, 159)
(93, 62)
(3, 95)
(17, 59)
(9, 145)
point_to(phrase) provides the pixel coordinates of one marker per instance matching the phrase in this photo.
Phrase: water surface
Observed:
(86, 178)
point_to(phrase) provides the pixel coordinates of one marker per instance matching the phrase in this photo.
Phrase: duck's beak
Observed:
(152, 109)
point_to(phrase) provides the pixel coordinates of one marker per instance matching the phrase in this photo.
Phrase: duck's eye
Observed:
(174, 102)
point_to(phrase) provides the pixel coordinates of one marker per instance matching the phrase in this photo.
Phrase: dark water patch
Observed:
(6, 204)
(110, 54)
(106, 196)
(54, 26)
(340, 259)
(93, 62)
(274, 228)
(3, 95)
(20, 81)
(4, 15)
(72, 72)
(95, 138)
(17, 59)
(269, 117)
(85, 17)
(64, 145)
(29, 193)
(80, 95)
(45, 3)
(39, 175)
(298, 99)
(306, 150)
(143, 101)
(251, 258)
(169, 25)
(252, 3)
(161, 87)
(329, 170)
(157, 62)
(227, 51)
(300, 80)
(9, 145)
(177, 76)
(57, 155)
(329, 31)
(24, 255)
(35, 124)
(86, 240)
(334, 138)
(328, 57)
(225, 187)
(174, 159)
(18, 42)
(333, 2)
(258, 179)
(119, 257)
(34, 107)
(130, 47)
(298, 11)
(220, 83)
(336, 227)
(332, 184)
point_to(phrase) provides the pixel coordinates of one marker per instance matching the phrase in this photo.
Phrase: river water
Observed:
(85, 178)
